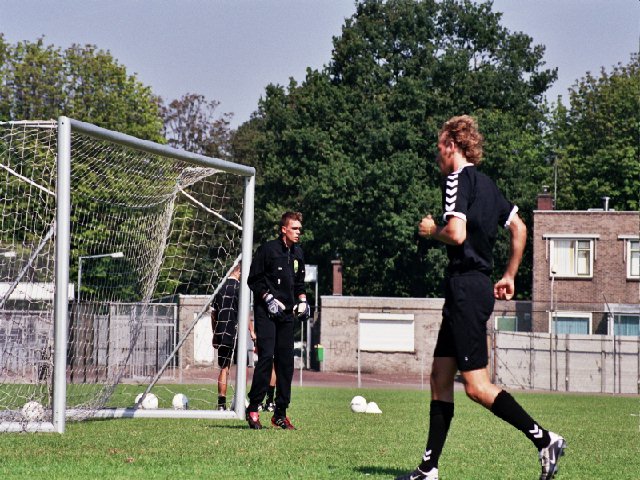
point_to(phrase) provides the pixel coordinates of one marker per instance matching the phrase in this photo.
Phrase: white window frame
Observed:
(561, 314)
(632, 257)
(555, 266)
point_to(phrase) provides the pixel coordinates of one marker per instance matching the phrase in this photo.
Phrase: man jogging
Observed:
(473, 209)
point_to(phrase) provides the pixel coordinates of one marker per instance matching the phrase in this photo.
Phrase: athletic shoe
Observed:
(550, 455)
(222, 408)
(418, 474)
(270, 406)
(282, 422)
(253, 419)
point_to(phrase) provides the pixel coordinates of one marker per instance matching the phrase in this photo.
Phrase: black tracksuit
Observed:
(277, 270)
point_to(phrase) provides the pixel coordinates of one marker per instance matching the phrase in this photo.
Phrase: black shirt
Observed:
(475, 198)
(278, 270)
(225, 304)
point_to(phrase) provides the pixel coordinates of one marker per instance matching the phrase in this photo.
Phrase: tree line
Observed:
(352, 145)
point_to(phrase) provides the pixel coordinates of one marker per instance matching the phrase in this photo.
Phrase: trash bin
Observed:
(320, 353)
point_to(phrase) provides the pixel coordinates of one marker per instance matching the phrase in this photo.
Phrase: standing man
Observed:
(224, 323)
(277, 281)
(473, 208)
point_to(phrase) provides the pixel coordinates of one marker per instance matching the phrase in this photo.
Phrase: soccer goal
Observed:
(111, 251)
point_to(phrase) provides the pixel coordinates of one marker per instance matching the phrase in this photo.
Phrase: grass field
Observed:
(603, 435)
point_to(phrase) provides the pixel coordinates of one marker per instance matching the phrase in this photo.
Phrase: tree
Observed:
(353, 146)
(40, 82)
(596, 140)
(192, 124)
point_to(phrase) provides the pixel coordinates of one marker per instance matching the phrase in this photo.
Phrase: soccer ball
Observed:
(180, 402)
(33, 411)
(358, 404)
(372, 407)
(150, 401)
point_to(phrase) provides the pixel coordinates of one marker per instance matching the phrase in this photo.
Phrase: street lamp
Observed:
(102, 255)
(551, 300)
(554, 327)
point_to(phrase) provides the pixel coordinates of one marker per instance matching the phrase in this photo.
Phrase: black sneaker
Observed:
(282, 422)
(418, 474)
(253, 419)
(222, 408)
(550, 455)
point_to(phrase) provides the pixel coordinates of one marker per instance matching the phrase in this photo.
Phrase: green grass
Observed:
(602, 432)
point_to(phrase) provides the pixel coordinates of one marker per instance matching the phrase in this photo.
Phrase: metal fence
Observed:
(24, 344)
(100, 342)
(568, 363)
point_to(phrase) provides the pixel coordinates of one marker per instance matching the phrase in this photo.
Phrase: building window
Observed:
(633, 259)
(507, 323)
(512, 323)
(627, 325)
(570, 323)
(572, 257)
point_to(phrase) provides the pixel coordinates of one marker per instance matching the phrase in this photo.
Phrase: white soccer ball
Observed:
(33, 411)
(150, 401)
(372, 407)
(358, 404)
(180, 402)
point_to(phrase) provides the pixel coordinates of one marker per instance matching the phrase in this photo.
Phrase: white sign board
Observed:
(202, 338)
(32, 291)
(310, 273)
(386, 332)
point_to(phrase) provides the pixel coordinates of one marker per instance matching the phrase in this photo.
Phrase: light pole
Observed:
(102, 255)
(554, 327)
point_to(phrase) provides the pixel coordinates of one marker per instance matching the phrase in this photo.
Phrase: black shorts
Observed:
(226, 353)
(468, 304)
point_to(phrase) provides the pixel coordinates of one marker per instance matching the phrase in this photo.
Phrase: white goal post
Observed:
(143, 227)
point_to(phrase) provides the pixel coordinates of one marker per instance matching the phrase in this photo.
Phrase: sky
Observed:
(230, 50)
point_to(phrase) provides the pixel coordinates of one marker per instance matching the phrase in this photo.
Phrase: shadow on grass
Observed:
(226, 426)
(392, 472)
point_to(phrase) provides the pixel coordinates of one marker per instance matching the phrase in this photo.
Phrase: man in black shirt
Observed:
(473, 209)
(276, 279)
(224, 323)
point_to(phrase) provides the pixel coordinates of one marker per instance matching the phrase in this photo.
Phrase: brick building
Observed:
(586, 271)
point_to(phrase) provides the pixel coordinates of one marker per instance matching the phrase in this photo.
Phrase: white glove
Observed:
(274, 306)
(302, 310)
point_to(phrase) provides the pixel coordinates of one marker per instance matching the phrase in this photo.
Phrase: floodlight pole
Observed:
(555, 332)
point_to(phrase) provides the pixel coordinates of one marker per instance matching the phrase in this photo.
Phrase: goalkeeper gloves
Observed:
(274, 306)
(302, 310)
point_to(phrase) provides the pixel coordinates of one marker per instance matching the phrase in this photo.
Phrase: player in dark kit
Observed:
(473, 209)
(224, 323)
(277, 281)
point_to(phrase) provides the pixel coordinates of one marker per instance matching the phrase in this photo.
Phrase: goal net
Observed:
(111, 251)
